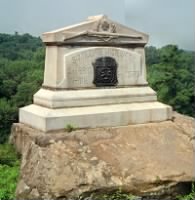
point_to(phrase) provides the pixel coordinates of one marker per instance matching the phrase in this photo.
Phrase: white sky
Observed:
(166, 21)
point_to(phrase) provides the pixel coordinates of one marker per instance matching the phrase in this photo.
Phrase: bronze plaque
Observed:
(105, 72)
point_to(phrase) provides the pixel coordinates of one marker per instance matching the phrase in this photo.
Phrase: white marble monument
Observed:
(95, 76)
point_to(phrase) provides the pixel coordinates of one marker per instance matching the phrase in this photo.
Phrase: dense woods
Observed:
(170, 73)
(21, 74)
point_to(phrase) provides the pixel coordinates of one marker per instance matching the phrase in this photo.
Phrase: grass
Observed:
(9, 171)
(69, 128)
(190, 196)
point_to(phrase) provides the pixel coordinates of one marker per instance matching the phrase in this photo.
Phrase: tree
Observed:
(172, 78)
(8, 115)
(21, 74)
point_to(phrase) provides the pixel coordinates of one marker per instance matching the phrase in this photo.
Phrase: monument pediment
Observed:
(95, 30)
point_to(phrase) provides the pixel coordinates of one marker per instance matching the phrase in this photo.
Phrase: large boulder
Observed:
(146, 159)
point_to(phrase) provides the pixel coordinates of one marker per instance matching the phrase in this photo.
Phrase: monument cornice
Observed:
(91, 44)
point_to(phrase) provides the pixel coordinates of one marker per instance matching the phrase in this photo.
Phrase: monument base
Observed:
(47, 119)
(93, 97)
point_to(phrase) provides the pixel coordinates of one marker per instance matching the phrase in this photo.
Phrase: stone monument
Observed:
(95, 79)
(95, 76)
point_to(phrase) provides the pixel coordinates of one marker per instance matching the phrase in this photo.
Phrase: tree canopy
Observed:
(171, 74)
(21, 75)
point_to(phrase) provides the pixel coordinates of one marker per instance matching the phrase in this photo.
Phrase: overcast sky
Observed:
(166, 21)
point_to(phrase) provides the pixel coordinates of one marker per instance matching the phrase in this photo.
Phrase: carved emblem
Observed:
(105, 26)
(105, 72)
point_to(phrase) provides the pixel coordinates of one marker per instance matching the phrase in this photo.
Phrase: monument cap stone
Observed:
(96, 30)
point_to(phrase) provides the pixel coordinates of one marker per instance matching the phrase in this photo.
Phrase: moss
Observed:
(69, 128)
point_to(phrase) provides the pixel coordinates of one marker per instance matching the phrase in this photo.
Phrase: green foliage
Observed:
(8, 155)
(69, 128)
(18, 47)
(9, 172)
(171, 74)
(21, 75)
(190, 196)
(152, 55)
(8, 180)
(8, 115)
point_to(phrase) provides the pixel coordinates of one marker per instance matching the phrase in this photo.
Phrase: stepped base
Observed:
(93, 97)
(47, 119)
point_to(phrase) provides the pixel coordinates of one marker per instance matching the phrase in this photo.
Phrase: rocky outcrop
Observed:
(140, 159)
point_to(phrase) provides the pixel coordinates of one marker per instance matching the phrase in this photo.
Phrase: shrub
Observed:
(9, 171)
(69, 128)
(190, 196)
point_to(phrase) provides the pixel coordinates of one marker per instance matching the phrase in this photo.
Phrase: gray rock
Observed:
(146, 159)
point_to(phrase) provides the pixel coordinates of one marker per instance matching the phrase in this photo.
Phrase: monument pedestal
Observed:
(93, 97)
(47, 119)
(92, 108)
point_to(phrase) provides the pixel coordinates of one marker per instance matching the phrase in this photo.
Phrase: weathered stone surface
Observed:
(95, 30)
(71, 52)
(141, 159)
(78, 71)
(91, 97)
(46, 119)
